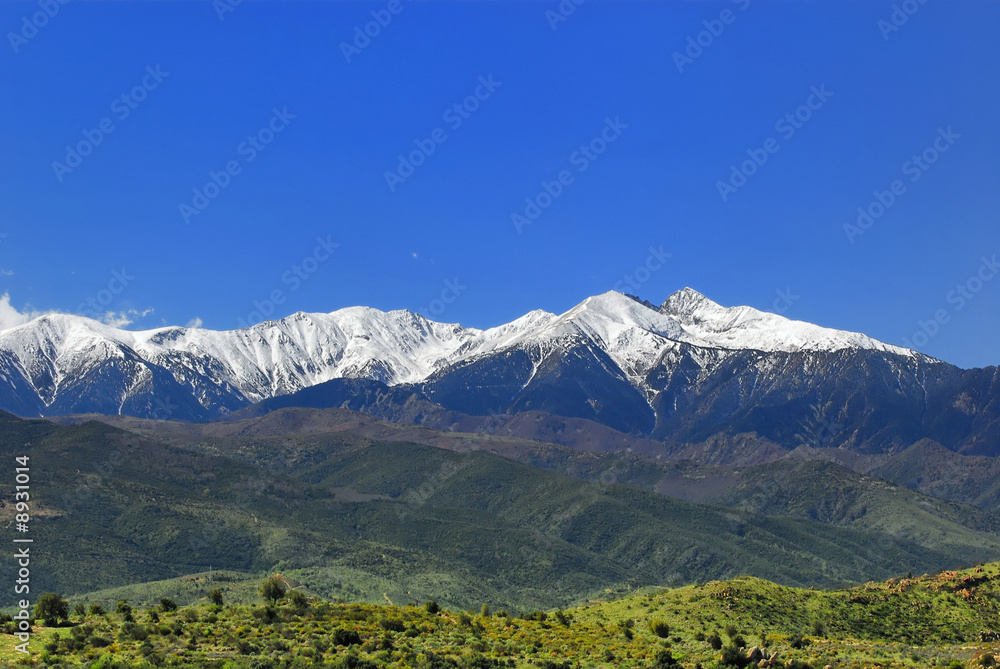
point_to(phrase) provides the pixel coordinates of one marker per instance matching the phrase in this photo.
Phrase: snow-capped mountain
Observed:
(675, 371)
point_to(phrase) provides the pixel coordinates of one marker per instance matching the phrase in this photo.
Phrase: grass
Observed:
(914, 622)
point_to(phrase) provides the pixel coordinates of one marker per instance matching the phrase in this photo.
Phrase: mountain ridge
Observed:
(678, 373)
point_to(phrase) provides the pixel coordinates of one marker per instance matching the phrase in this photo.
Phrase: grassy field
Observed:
(944, 620)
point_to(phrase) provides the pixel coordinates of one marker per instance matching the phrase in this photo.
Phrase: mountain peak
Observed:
(684, 302)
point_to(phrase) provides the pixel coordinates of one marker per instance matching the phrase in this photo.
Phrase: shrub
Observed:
(168, 604)
(298, 598)
(273, 589)
(216, 596)
(343, 637)
(732, 656)
(431, 606)
(97, 610)
(665, 660)
(659, 628)
(392, 624)
(51, 608)
(797, 641)
(819, 629)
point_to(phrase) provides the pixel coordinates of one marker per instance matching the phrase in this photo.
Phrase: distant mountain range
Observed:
(687, 372)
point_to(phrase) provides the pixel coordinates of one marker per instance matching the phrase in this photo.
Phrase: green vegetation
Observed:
(945, 620)
(367, 520)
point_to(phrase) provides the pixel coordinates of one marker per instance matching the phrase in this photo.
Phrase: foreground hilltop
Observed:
(946, 620)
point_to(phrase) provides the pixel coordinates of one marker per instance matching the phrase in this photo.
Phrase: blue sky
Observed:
(200, 91)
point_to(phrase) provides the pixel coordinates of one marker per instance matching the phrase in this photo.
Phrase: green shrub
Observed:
(665, 660)
(51, 608)
(733, 656)
(660, 628)
(431, 607)
(273, 589)
(392, 624)
(344, 637)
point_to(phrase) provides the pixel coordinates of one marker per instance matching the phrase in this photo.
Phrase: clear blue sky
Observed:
(655, 185)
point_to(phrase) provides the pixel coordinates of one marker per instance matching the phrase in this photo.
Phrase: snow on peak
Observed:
(281, 356)
(686, 301)
(748, 328)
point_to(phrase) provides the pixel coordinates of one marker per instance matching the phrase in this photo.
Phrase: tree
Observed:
(52, 608)
(273, 589)
(168, 604)
(431, 606)
(216, 596)
(97, 610)
(298, 598)
(80, 609)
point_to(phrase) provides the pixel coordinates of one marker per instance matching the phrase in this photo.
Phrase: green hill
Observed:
(363, 519)
(945, 620)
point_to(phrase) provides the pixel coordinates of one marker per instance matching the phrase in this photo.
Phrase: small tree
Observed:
(216, 596)
(80, 609)
(97, 610)
(431, 606)
(298, 598)
(168, 604)
(52, 608)
(273, 589)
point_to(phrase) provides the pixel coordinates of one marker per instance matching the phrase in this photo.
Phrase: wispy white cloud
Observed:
(194, 323)
(120, 319)
(11, 317)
